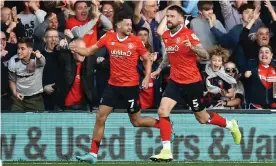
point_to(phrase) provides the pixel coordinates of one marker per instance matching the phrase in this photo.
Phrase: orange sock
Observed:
(165, 128)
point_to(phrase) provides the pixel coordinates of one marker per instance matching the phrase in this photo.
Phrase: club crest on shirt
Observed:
(130, 46)
(195, 37)
(112, 43)
(178, 40)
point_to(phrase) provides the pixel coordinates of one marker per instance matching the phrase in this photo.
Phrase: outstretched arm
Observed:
(84, 51)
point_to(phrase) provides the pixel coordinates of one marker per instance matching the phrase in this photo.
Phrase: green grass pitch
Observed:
(137, 163)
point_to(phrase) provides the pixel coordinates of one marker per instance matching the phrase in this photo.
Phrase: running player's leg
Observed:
(168, 101)
(108, 101)
(164, 110)
(194, 93)
(138, 121)
(131, 97)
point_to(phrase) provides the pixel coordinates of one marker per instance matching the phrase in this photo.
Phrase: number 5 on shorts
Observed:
(195, 103)
(132, 103)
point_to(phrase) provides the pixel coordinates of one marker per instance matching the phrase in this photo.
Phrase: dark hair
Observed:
(27, 41)
(245, 7)
(143, 29)
(106, 3)
(205, 5)
(263, 26)
(267, 46)
(120, 16)
(77, 2)
(178, 9)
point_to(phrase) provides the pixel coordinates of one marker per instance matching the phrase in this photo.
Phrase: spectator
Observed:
(26, 80)
(10, 22)
(7, 49)
(236, 102)
(218, 84)
(2, 3)
(145, 15)
(251, 48)
(230, 12)
(51, 22)
(201, 27)
(108, 11)
(50, 73)
(74, 88)
(190, 7)
(150, 97)
(230, 40)
(31, 17)
(261, 81)
(82, 26)
(12, 39)
(143, 33)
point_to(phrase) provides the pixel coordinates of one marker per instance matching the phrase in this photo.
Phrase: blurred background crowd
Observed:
(37, 75)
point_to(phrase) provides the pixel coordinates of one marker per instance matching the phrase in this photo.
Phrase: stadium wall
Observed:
(62, 136)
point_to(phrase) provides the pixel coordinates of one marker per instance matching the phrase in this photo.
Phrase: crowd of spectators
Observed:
(39, 72)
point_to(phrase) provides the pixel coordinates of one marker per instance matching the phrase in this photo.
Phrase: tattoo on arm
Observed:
(164, 62)
(200, 51)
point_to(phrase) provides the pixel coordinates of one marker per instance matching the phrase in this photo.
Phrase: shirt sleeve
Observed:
(103, 40)
(141, 49)
(193, 39)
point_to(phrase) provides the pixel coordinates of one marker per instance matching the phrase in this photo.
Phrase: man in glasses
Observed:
(51, 22)
(50, 73)
(146, 15)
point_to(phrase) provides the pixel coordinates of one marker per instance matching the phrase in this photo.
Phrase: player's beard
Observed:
(172, 26)
(126, 33)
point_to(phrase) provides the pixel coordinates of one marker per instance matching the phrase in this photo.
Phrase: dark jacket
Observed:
(17, 30)
(258, 94)
(231, 39)
(67, 72)
(251, 48)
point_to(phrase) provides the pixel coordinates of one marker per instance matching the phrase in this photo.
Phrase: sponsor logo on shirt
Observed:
(120, 53)
(172, 48)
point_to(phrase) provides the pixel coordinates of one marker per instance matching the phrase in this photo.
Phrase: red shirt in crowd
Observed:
(124, 54)
(264, 74)
(76, 94)
(146, 96)
(182, 59)
(91, 37)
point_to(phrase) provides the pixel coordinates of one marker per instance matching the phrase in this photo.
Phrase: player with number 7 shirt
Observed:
(182, 46)
(124, 50)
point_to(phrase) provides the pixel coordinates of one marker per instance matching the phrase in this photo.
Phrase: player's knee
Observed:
(202, 120)
(101, 117)
(135, 123)
(163, 112)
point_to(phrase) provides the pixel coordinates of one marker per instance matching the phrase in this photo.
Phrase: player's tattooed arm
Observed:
(200, 51)
(164, 63)
(165, 60)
